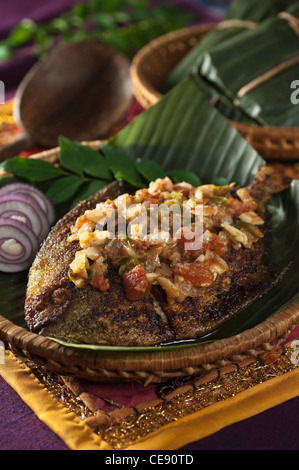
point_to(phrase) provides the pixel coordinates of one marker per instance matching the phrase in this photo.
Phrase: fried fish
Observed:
(168, 263)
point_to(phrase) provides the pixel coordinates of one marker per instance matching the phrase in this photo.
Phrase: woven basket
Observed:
(151, 66)
(145, 367)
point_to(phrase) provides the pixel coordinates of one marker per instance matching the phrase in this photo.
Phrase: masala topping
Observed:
(176, 236)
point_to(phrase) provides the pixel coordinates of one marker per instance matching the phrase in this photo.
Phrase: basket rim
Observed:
(276, 141)
(41, 348)
(162, 41)
(91, 364)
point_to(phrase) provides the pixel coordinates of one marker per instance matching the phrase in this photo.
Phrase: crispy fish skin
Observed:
(108, 318)
(55, 307)
(268, 181)
(247, 280)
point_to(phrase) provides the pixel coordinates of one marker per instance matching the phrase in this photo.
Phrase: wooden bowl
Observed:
(151, 66)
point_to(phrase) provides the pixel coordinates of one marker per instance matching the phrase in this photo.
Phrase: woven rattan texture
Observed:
(154, 62)
(145, 367)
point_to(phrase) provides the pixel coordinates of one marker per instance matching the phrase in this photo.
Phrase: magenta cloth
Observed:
(20, 429)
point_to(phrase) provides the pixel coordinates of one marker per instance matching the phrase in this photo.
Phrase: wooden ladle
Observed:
(80, 90)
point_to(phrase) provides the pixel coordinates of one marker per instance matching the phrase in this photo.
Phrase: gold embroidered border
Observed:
(128, 426)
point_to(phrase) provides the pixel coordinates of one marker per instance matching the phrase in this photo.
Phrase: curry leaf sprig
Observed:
(81, 171)
(125, 24)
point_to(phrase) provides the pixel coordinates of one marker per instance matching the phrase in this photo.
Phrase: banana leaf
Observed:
(184, 132)
(253, 11)
(233, 67)
(222, 103)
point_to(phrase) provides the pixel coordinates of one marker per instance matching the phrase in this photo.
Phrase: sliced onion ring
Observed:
(41, 199)
(18, 245)
(20, 205)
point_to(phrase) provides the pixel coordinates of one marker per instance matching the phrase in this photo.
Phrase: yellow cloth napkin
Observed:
(78, 435)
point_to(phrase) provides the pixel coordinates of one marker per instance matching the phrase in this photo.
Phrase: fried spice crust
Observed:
(56, 307)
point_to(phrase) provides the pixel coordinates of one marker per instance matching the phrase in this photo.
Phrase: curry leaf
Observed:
(64, 188)
(178, 176)
(122, 166)
(70, 156)
(96, 165)
(149, 169)
(88, 189)
(32, 169)
(80, 159)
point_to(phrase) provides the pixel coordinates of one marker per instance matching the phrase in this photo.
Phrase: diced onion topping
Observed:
(179, 254)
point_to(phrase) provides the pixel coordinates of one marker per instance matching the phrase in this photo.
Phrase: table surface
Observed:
(20, 428)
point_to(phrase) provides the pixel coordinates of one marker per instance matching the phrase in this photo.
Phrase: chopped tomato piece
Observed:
(239, 207)
(101, 283)
(218, 246)
(215, 244)
(135, 283)
(198, 274)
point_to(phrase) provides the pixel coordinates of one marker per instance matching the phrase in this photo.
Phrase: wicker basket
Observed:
(146, 367)
(154, 62)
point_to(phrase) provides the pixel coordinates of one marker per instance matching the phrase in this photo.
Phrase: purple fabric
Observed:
(20, 429)
(275, 429)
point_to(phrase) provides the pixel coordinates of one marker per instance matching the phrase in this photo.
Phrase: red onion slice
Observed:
(41, 199)
(25, 209)
(18, 245)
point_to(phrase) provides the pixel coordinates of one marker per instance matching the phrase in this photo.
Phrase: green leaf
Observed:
(105, 20)
(121, 165)
(60, 24)
(80, 10)
(80, 159)
(31, 169)
(96, 165)
(5, 52)
(71, 156)
(88, 189)
(149, 169)
(22, 33)
(220, 181)
(178, 176)
(64, 189)
(184, 132)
